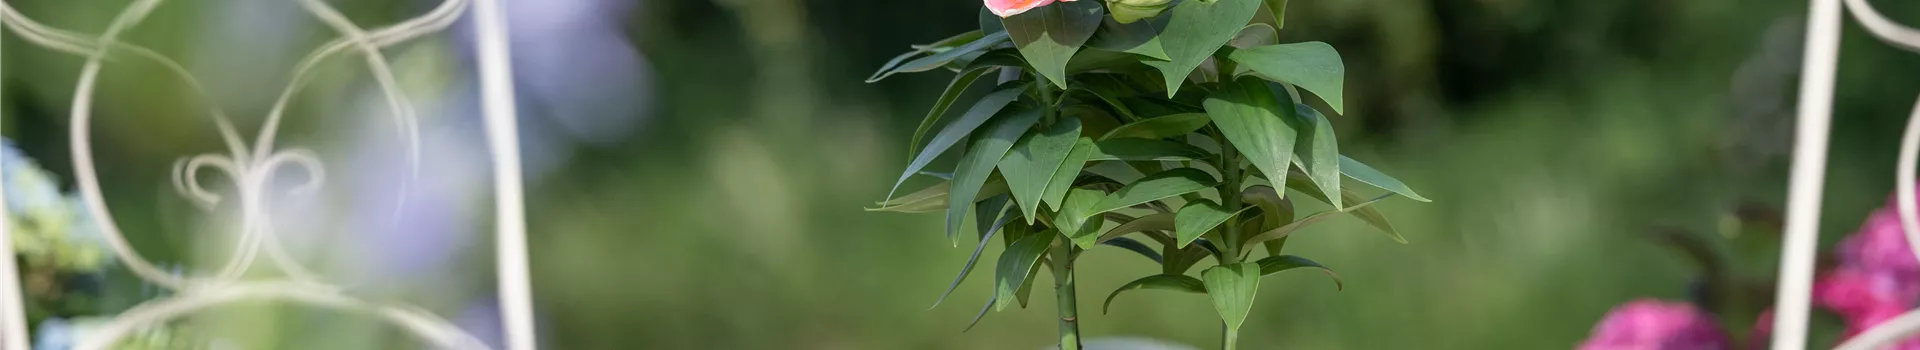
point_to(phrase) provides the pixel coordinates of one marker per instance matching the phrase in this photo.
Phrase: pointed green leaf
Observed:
(1373, 216)
(1048, 36)
(1232, 288)
(982, 314)
(1132, 11)
(933, 199)
(989, 22)
(1030, 167)
(1133, 149)
(1136, 247)
(1367, 174)
(1195, 31)
(1276, 264)
(987, 148)
(1139, 38)
(1310, 219)
(1257, 34)
(1178, 283)
(1154, 222)
(1069, 170)
(1312, 65)
(984, 109)
(990, 210)
(1017, 264)
(954, 88)
(1255, 123)
(1318, 152)
(1279, 10)
(1274, 211)
(1161, 127)
(1076, 218)
(985, 238)
(941, 59)
(1198, 217)
(1155, 187)
(943, 44)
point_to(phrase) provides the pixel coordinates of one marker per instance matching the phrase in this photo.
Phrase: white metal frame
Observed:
(1794, 298)
(250, 166)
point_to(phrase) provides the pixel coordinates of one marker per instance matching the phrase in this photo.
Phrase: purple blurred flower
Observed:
(1651, 324)
(1877, 278)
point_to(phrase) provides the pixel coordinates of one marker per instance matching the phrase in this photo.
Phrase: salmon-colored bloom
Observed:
(1008, 8)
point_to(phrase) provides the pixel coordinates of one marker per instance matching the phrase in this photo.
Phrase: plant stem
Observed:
(1063, 289)
(1230, 196)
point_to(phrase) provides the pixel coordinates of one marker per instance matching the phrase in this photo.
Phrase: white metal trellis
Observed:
(249, 167)
(1794, 298)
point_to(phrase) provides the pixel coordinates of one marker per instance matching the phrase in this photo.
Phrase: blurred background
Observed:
(697, 171)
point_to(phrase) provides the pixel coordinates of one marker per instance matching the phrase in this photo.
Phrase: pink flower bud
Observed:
(1008, 8)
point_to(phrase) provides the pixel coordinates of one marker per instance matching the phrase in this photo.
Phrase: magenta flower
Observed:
(1856, 293)
(1008, 8)
(1652, 324)
(1880, 246)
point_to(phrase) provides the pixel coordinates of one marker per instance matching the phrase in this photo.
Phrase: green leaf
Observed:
(1030, 167)
(1310, 219)
(1196, 30)
(944, 44)
(1257, 34)
(989, 22)
(941, 59)
(985, 238)
(1161, 127)
(1373, 216)
(984, 109)
(1132, 149)
(1132, 11)
(1313, 65)
(1317, 150)
(1139, 38)
(982, 314)
(1232, 288)
(1180, 260)
(1076, 219)
(1255, 123)
(1367, 174)
(1279, 10)
(1155, 187)
(954, 88)
(933, 199)
(1274, 211)
(1276, 264)
(1136, 247)
(1017, 264)
(1178, 283)
(1154, 222)
(1083, 149)
(1048, 36)
(988, 147)
(1198, 217)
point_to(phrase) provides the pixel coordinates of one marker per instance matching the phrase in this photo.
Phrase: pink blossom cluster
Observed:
(1876, 279)
(1652, 324)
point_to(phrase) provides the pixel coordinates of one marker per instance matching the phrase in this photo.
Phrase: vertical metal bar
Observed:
(13, 312)
(496, 95)
(1794, 298)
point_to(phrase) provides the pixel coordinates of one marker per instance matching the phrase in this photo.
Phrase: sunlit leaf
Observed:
(1048, 36)
(1197, 218)
(1083, 149)
(941, 59)
(1029, 168)
(1310, 219)
(1232, 288)
(987, 148)
(1278, 8)
(1195, 31)
(1278, 263)
(1133, 149)
(985, 109)
(1255, 123)
(1161, 127)
(933, 199)
(1178, 283)
(1017, 264)
(1312, 65)
(1076, 217)
(1155, 187)
(1367, 174)
(1317, 150)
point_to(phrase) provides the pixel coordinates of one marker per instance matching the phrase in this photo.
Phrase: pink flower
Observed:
(1880, 245)
(1008, 8)
(1651, 324)
(1857, 294)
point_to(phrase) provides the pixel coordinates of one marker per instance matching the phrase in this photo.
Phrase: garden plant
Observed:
(1176, 129)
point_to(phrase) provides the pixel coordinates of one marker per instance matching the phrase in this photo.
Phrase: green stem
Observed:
(1047, 100)
(1230, 196)
(1063, 289)
(1229, 338)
